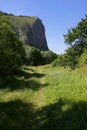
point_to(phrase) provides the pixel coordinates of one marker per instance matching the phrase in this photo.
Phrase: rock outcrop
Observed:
(30, 30)
(36, 35)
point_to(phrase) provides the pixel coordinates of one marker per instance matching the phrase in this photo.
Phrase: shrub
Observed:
(48, 56)
(33, 56)
(60, 61)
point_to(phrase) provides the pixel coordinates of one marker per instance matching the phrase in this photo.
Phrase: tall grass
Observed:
(44, 98)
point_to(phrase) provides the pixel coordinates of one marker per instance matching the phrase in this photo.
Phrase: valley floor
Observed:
(44, 98)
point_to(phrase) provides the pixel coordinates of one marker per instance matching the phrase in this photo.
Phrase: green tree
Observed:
(78, 35)
(76, 38)
(11, 49)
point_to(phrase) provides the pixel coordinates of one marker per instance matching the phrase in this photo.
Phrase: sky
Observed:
(57, 16)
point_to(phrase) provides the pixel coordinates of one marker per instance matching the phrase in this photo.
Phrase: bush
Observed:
(33, 55)
(69, 59)
(48, 57)
(60, 61)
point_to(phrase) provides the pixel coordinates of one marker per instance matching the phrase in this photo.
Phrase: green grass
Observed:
(44, 98)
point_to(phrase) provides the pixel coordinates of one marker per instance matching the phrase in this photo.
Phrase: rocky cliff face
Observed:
(36, 35)
(30, 30)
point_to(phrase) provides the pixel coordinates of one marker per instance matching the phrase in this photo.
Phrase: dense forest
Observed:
(42, 90)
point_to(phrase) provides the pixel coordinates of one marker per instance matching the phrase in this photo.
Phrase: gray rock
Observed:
(36, 35)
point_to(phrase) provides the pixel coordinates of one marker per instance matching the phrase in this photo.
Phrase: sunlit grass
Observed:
(66, 84)
(44, 98)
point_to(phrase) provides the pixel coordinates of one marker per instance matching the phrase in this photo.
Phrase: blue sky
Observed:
(57, 15)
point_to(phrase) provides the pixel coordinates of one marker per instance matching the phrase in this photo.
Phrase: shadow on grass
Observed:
(28, 68)
(27, 75)
(17, 115)
(21, 80)
(56, 117)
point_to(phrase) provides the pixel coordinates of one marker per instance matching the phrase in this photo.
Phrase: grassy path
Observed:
(39, 99)
(44, 98)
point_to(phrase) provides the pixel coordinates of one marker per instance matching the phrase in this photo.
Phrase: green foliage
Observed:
(11, 49)
(83, 58)
(76, 38)
(78, 34)
(33, 55)
(60, 61)
(71, 57)
(36, 57)
(48, 57)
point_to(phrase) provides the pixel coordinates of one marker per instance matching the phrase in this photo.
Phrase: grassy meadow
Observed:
(44, 98)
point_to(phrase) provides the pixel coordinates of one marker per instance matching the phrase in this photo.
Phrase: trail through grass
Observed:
(44, 98)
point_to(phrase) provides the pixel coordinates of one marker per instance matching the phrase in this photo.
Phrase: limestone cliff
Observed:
(30, 30)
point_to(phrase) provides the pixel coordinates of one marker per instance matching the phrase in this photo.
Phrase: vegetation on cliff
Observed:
(30, 30)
